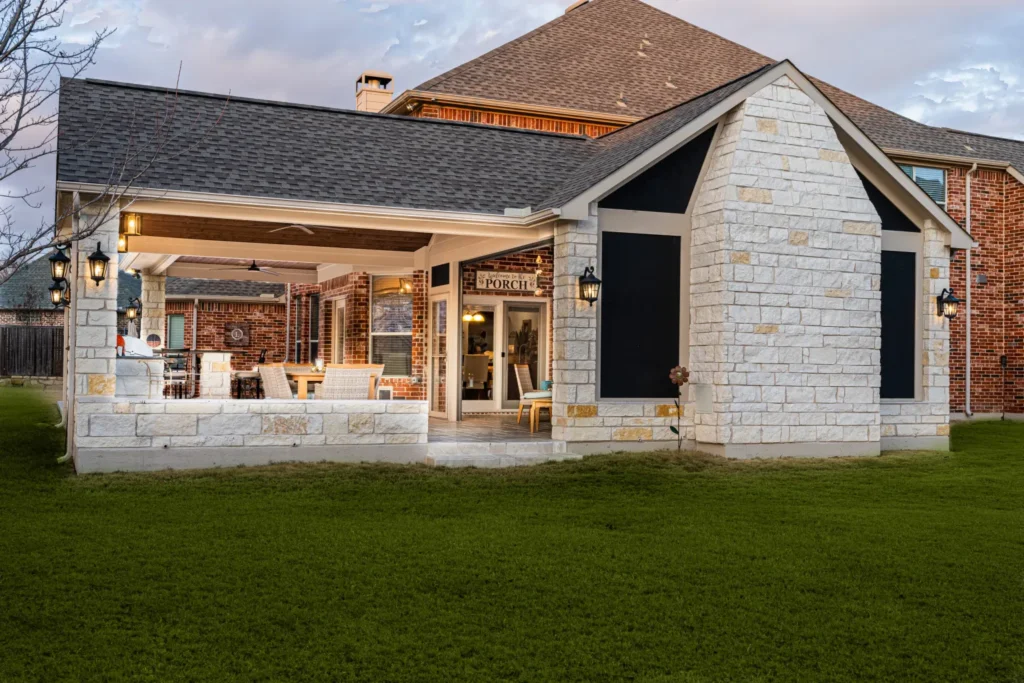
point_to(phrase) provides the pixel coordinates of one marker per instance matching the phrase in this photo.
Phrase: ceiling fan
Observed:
(305, 229)
(252, 268)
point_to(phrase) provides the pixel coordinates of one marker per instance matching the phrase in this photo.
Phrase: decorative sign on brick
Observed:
(236, 334)
(506, 282)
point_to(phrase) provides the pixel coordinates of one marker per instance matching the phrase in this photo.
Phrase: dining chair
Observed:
(275, 381)
(527, 394)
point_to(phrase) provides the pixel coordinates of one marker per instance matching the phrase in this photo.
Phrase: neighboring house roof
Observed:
(590, 57)
(287, 151)
(28, 288)
(194, 287)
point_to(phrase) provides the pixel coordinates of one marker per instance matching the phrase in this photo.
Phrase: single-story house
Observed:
(750, 230)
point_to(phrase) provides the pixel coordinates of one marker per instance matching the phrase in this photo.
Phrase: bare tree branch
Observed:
(33, 63)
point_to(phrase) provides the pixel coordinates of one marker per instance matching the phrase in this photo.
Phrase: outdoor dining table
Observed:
(303, 377)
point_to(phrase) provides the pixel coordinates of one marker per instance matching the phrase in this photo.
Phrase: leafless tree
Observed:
(33, 62)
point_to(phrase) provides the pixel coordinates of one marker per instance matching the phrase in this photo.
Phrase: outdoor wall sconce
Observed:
(131, 224)
(134, 307)
(947, 304)
(122, 243)
(66, 301)
(98, 265)
(590, 286)
(59, 263)
(57, 294)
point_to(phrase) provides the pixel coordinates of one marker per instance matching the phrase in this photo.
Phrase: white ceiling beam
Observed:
(451, 224)
(162, 264)
(271, 252)
(212, 271)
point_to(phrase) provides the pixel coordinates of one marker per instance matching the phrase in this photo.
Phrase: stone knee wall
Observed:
(203, 424)
(785, 330)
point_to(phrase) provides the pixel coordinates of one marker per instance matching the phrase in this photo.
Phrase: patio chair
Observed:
(349, 382)
(527, 394)
(275, 381)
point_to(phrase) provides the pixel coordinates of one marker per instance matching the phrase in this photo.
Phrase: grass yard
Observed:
(648, 568)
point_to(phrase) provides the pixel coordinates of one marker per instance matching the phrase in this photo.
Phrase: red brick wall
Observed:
(266, 330)
(988, 301)
(44, 318)
(354, 289)
(1014, 320)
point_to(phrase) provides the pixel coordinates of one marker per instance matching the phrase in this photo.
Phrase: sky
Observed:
(955, 63)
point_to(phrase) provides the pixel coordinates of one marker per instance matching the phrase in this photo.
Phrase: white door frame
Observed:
(446, 297)
(499, 302)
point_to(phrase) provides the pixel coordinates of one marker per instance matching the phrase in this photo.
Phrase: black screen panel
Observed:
(899, 329)
(892, 217)
(440, 275)
(639, 315)
(667, 186)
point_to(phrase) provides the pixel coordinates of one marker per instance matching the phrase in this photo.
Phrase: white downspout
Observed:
(967, 374)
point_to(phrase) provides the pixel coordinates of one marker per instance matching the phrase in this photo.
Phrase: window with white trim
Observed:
(391, 315)
(931, 180)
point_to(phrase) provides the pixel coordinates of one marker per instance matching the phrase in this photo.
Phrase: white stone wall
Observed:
(579, 416)
(191, 424)
(785, 273)
(95, 307)
(154, 306)
(925, 423)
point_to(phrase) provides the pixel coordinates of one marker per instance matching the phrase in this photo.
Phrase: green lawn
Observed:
(649, 568)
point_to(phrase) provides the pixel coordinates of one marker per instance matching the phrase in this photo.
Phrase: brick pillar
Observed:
(574, 357)
(154, 306)
(785, 304)
(96, 320)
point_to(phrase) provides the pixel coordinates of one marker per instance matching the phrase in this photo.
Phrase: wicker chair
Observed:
(275, 381)
(527, 394)
(349, 382)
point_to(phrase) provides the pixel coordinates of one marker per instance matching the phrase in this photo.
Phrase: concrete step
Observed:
(496, 453)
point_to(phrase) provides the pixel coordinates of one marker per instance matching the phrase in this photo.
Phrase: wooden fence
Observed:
(31, 351)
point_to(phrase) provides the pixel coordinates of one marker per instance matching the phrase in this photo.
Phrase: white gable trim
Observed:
(579, 207)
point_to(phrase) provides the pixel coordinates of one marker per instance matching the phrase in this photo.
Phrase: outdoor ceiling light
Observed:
(131, 224)
(59, 263)
(57, 294)
(947, 304)
(98, 265)
(590, 286)
(122, 243)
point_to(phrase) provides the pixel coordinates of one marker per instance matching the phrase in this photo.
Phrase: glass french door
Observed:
(526, 341)
(439, 357)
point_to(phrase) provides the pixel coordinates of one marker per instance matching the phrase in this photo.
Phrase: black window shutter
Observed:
(639, 315)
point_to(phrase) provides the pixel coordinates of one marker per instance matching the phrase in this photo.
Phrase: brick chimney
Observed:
(373, 91)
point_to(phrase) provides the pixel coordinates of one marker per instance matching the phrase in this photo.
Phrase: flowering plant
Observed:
(678, 376)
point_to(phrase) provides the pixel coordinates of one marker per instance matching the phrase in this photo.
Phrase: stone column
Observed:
(96, 317)
(154, 307)
(574, 359)
(785, 332)
(215, 375)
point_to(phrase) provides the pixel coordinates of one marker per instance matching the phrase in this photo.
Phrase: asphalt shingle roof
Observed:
(588, 58)
(268, 149)
(178, 286)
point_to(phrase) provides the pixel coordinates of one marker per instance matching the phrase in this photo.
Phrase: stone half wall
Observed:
(785, 330)
(113, 435)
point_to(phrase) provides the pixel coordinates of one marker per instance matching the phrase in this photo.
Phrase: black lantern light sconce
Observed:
(131, 224)
(60, 264)
(57, 293)
(66, 300)
(98, 265)
(947, 304)
(133, 310)
(590, 286)
(122, 243)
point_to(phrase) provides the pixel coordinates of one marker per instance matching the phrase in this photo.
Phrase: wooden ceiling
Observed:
(214, 261)
(184, 227)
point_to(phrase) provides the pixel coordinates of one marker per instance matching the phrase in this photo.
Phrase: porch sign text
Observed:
(506, 282)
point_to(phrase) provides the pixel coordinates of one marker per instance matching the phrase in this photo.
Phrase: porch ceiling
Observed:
(255, 232)
(241, 263)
